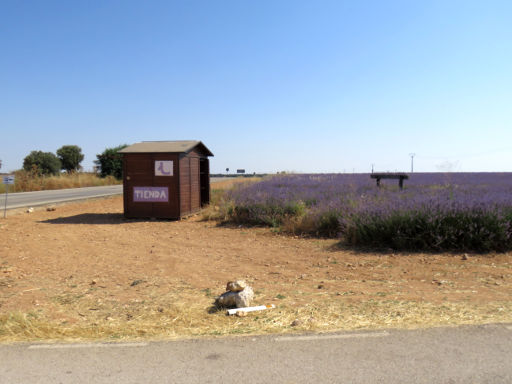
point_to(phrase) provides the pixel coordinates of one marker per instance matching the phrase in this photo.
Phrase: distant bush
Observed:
(42, 163)
(110, 162)
(70, 157)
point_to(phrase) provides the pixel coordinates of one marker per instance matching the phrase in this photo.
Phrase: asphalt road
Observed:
(34, 199)
(469, 354)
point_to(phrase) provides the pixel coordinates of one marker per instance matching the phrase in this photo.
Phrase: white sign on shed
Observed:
(163, 168)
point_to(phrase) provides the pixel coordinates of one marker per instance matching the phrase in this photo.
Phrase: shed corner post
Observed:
(125, 187)
(178, 176)
(208, 178)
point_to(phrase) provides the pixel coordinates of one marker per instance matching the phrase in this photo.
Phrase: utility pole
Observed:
(412, 161)
(372, 167)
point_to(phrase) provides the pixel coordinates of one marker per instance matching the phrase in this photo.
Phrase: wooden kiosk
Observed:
(165, 179)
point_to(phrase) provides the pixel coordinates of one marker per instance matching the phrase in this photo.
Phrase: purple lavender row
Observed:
(467, 211)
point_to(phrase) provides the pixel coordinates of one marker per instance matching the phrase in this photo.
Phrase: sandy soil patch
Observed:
(83, 271)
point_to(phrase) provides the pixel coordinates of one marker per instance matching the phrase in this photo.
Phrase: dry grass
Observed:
(29, 181)
(188, 312)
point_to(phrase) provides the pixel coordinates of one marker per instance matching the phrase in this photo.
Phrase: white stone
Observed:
(244, 297)
(238, 299)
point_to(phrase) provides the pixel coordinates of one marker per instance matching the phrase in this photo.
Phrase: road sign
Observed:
(8, 179)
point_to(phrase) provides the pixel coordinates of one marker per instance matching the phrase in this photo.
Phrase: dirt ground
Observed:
(84, 272)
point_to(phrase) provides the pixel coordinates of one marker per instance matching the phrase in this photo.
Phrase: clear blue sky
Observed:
(305, 86)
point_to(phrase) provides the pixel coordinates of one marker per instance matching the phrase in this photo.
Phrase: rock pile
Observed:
(238, 294)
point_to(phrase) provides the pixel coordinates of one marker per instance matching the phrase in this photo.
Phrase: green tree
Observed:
(110, 162)
(70, 156)
(44, 163)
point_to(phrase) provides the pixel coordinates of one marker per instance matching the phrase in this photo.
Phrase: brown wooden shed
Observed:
(165, 179)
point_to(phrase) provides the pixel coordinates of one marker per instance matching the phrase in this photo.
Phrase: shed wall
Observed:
(190, 188)
(185, 206)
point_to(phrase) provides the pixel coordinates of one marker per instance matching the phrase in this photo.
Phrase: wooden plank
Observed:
(139, 173)
(169, 210)
(396, 176)
(204, 174)
(195, 194)
(184, 185)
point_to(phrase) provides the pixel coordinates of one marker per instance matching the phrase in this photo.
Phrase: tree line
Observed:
(68, 158)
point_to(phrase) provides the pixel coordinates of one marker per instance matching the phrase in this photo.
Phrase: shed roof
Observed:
(182, 146)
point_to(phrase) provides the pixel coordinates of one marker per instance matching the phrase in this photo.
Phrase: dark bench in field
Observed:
(397, 176)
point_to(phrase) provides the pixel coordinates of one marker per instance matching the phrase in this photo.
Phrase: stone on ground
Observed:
(238, 295)
(236, 286)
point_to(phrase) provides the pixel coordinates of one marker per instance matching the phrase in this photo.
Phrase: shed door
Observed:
(138, 173)
(145, 185)
(204, 181)
(169, 179)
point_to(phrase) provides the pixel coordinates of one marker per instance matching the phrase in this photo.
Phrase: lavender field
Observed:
(451, 211)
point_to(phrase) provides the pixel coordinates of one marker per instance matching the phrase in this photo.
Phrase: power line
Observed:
(412, 161)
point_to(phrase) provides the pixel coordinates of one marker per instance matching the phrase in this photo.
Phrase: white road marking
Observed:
(509, 327)
(87, 345)
(328, 337)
